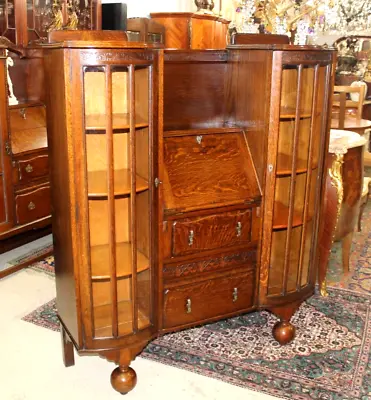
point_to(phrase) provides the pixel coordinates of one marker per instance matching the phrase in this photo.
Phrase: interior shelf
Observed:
(290, 113)
(97, 183)
(96, 123)
(103, 320)
(281, 217)
(100, 265)
(25, 104)
(288, 172)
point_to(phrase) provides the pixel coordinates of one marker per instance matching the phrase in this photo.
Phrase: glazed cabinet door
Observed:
(294, 175)
(117, 189)
(6, 192)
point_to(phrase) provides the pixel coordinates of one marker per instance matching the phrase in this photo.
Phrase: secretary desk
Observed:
(186, 187)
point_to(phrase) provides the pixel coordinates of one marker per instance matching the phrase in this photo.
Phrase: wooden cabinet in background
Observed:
(24, 189)
(191, 191)
(193, 31)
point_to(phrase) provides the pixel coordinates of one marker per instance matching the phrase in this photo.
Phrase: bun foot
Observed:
(123, 379)
(284, 332)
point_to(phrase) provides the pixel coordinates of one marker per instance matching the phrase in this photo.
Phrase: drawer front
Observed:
(33, 205)
(193, 235)
(33, 168)
(27, 118)
(245, 260)
(208, 299)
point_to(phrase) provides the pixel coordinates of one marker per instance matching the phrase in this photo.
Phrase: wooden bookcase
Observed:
(189, 193)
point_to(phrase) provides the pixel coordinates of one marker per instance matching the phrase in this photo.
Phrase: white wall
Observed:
(142, 8)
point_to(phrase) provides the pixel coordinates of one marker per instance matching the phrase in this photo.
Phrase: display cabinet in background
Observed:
(25, 191)
(191, 190)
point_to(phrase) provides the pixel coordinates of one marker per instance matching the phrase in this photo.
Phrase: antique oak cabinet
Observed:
(24, 164)
(186, 188)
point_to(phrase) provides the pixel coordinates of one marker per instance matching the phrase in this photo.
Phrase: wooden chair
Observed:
(347, 113)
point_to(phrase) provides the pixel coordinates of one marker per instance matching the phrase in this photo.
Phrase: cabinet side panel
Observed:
(248, 93)
(62, 203)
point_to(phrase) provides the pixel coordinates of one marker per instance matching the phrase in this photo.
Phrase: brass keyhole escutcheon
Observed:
(31, 206)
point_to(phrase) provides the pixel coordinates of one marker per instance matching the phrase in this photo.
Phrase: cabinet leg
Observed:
(284, 330)
(123, 379)
(67, 348)
(346, 246)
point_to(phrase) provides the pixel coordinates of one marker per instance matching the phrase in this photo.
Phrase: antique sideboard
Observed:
(186, 187)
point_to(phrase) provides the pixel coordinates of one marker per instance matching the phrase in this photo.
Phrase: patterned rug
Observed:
(328, 360)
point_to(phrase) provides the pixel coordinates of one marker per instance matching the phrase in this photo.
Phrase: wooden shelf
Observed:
(288, 172)
(290, 113)
(100, 261)
(29, 140)
(281, 217)
(97, 184)
(96, 123)
(26, 103)
(103, 322)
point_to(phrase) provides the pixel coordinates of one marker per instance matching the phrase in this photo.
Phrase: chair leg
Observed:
(361, 209)
(346, 247)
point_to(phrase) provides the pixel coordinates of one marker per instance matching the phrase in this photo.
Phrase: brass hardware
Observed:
(199, 139)
(270, 167)
(29, 168)
(22, 111)
(189, 306)
(31, 205)
(323, 289)
(8, 149)
(235, 295)
(157, 182)
(190, 237)
(238, 229)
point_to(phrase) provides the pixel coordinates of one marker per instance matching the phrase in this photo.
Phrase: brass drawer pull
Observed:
(199, 139)
(235, 295)
(190, 237)
(29, 168)
(238, 229)
(31, 205)
(189, 306)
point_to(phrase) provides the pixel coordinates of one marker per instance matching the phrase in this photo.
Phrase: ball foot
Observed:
(123, 379)
(283, 332)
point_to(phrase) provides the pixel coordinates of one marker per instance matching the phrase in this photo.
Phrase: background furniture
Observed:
(344, 187)
(145, 30)
(348, 112)
(193, 31)
(257, 38)
(24, 164)
(187, 199)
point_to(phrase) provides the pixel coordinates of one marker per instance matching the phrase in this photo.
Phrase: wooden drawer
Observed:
(27, 118)
(32, 168)
(208, 299)
(32, 205)
(193, 235)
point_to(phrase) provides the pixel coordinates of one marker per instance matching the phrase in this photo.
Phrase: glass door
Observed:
(118, 135)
